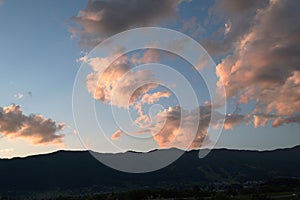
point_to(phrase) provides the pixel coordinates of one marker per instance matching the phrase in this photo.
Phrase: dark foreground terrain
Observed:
(222, 174)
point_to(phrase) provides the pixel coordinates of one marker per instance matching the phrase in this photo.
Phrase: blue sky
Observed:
(38, 56)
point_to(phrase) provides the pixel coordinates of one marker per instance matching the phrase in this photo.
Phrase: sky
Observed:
(45, 48)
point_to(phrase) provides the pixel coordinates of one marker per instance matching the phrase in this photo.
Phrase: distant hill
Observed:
(79, 171)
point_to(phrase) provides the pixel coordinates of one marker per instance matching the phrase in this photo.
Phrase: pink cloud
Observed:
(176, 127)
(264, 66)
(150, 56)
(117, 84)
(116, 135)
(35, 128)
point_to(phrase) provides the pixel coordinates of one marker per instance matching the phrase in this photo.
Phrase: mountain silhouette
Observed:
(79, 170)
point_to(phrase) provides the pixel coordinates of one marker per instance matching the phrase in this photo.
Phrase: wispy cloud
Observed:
(7, 150)
(19, 96)
(150, 56)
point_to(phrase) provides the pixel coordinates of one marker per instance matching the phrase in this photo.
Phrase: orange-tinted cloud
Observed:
(116, 135)
(176, 127)
(148, 98)
(118, 85)
(287, 120)
(35, 128)
(264, 65)
(260, 120)
(154, 97)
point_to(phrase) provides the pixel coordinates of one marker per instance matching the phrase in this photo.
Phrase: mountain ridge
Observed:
(132, 151)
(78, 171)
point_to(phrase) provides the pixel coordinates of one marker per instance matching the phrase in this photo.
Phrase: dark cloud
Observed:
(264, 65)
(36, 128)
(232, 120)
(103, 18)
(29, 93)
(235, 18)
(281, 120)
(234, 7)
(263, 119)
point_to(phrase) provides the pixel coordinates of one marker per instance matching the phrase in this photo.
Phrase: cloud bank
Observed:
(264, 65)
(35, 128)
(175, 127)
